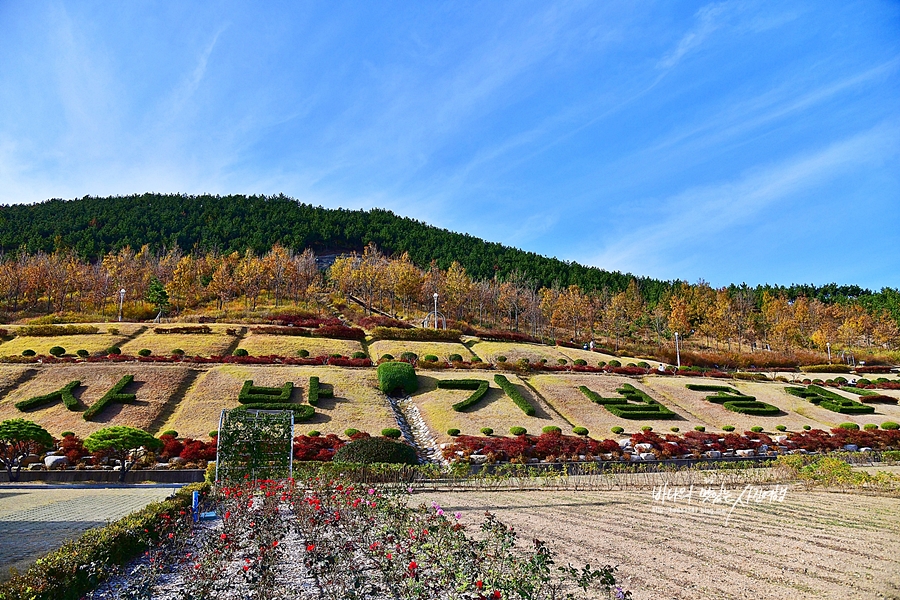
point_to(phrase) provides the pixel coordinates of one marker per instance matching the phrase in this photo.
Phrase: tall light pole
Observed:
(828, 345)
(121, 301)
(435, 310)
(677, 351)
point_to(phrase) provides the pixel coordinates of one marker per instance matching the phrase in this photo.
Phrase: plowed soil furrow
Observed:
(811, 545)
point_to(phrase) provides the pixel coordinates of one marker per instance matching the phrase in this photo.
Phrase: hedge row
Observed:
(54, 330)
(187, 329)
(418, 334)
(113, 395)
(648, 407)
(839, 368)
(703, 387)
(316, 392)
(78, 566)
(479, 387)
(595, 397)
(64, 394)
(338, 332)
(302, 412)
(830, 401)
(253, 394)
(514, 394)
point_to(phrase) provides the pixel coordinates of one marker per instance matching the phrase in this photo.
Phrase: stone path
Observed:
(34, 521)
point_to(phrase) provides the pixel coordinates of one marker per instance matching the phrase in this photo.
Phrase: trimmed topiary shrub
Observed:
(395, 375)
(646, 428)
(254, 394)
(359, 354)
(376, 450)
(303, 353)
(387, 357)
(870, 426)
(850, 426)
(171, 432)
(430, 358)
(614, 363)
(644, 364)
(391, 432)
(756, 429)
(518, 430)
(82, 353)
(674, 429)
(57, 351)
(28, 352)
(144, 352)
(551, 429)
(780, 428)
(806, 427)
(455, 358)
(350, 432)
(890, 426)
(64, 394)
(113, 395)
(214, 433)
(580, 362)
(313, 433)
(617, 430)
(514, 394)
(114, 350)
(479, 387)
(177, 352)
(580, 431)
(501, 359)
(601, 364)
(316, 391)
(475, 359)
(453, 432)
(699, 428)
(409, 357)
(561, 361)
(66, 434)
(487, 431)
(728, 428)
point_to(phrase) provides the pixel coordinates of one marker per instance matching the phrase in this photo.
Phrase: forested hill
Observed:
(94, 226)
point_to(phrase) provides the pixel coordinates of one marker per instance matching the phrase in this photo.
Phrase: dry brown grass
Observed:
(71, 343)
(357, 402)
(397, 347)
(489, 351)
(155, 386)
(289, 345)
(495, 410)
(193, 344)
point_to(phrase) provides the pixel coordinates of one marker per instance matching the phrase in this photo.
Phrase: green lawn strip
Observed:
(64, 394)
(479, 387)
(113, 395)
(829, 400)
(514, 394)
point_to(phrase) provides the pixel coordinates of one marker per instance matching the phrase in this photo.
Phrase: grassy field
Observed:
(357, 402)
(397, 347)
(215, 343)
(156, 387)
(288, 345)
(495, 410)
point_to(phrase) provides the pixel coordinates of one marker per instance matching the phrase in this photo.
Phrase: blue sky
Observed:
(735, 141)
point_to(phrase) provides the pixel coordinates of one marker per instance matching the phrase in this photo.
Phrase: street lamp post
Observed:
(121, 301)
(435, 310)
(677, 351)
(828, 345)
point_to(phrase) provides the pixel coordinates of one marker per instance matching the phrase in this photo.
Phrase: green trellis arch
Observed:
(255, 443)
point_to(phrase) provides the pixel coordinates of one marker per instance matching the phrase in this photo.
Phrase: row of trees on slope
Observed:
(734, 318)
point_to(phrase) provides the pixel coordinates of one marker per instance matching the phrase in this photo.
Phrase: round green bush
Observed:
(646, 428)
(114, 350)
(376, 450)
(850, 426)
(430, 358)
(561, 361)
(551, 429)
(214, 433)
(171, 432)
(601, 364)
(455, 358)
(870, 426)
(617, 430)
(350, 432)
(387, 357)
(614, 363)
(177, 352)
(780, 428)
(57, 351)
(518, 430)
(580, 362)
(336, 355)
(240, 352)
(393, 375)
(313, 433)
(475, 359)
(28, 352)
(580, 430)
(756, 429)
(501, 359)
(66, 434)
(631, 365)
(842, 380)
(674, 429)
(82, 353)
(806, 428)
(391, 432)
(303, 353)
(863, 381)
(644, 364)
(409, 356)
(890, 426)
(359, 354)
(453, 432)
(543, 361)
(727, 427)
(144, 352)
(699, 428)
(487, 431)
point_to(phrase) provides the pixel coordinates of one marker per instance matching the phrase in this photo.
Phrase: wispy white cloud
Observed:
(707, 21)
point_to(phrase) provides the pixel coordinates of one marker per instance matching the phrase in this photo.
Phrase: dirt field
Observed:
(156, 386)
(811, 545)
(357, 402)
(495, 410)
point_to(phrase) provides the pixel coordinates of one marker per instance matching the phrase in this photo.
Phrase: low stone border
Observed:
(72, 476)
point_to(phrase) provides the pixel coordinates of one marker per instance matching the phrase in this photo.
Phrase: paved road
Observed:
(34, 521)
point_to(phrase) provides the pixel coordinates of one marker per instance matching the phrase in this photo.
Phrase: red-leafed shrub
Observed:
(72, 447)
(172, 447)
(196, 450)
(873, 369)
(339, 332)
(350, 362)
(293, 360)
(374, 321)
(319, 448)
(888, 385)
